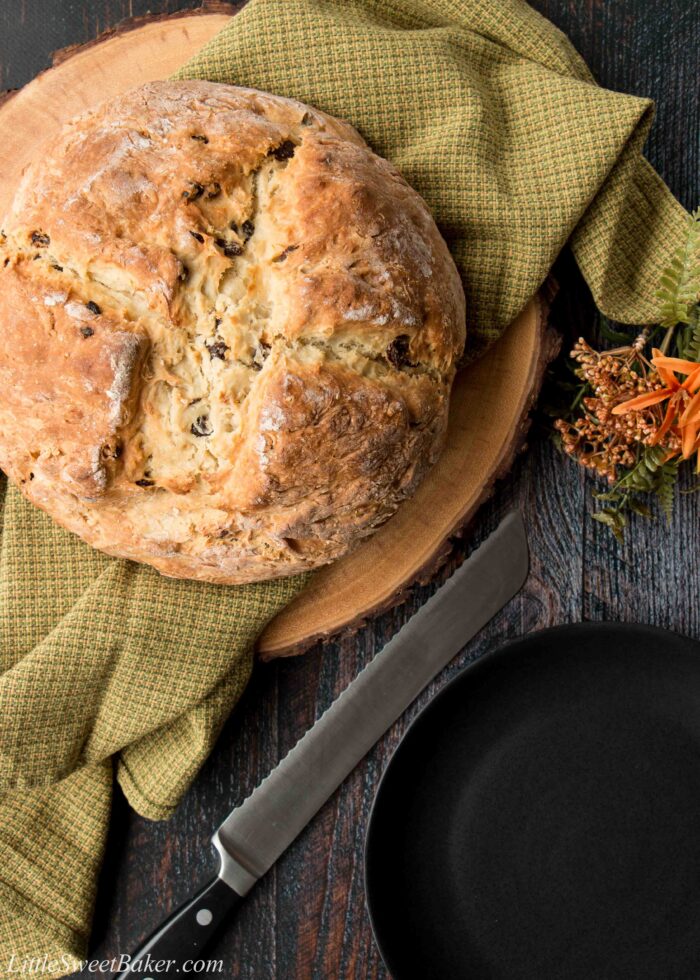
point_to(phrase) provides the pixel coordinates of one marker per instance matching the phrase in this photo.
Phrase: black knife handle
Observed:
(183, 936)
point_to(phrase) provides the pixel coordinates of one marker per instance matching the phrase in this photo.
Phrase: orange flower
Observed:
(682, 414)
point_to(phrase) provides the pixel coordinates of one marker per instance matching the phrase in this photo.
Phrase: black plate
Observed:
(540, 820)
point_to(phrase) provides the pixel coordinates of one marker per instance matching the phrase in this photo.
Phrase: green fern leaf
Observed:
(639, 507)
(666, 487)
(644, 475)
(689, 343)
(615, 520)
(680, 284)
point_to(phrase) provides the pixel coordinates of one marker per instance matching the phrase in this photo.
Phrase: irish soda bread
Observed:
(229, 332)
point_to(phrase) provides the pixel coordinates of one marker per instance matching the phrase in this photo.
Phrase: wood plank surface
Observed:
(307, 919)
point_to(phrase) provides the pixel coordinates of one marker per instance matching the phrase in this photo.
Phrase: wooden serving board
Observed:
(491, 399)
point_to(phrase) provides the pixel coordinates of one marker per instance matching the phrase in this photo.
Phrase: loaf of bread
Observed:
(229, 333)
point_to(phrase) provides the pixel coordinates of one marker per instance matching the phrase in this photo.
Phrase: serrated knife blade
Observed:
(257, 832)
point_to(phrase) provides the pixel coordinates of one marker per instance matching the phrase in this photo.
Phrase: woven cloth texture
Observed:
(103, 664)
(490, 113)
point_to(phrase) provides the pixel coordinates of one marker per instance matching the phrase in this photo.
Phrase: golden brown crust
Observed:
(230, 333)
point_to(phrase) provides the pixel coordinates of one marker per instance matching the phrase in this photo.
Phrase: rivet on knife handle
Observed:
(182, 937)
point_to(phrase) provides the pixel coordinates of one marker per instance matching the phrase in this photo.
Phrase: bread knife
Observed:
(257, 832)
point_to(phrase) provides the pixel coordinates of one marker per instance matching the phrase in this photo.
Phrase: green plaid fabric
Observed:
(103, 664)
(490, 113)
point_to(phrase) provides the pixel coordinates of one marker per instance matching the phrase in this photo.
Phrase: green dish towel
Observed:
(493, 117)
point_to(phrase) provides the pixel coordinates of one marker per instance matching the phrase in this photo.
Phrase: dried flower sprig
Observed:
(602, 438)
(636, 414)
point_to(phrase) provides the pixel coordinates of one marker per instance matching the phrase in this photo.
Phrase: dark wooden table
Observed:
(307, 919)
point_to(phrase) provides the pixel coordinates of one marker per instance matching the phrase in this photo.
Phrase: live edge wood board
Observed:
(491, 400)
